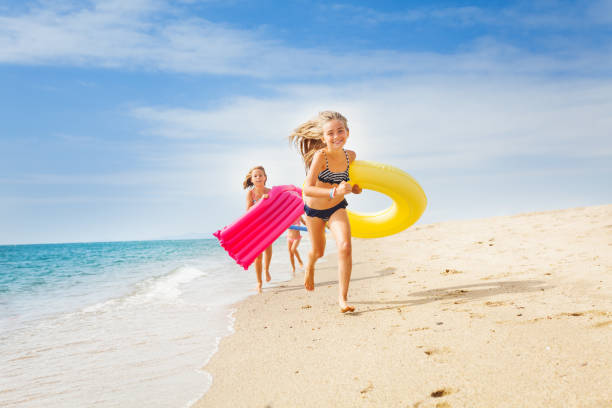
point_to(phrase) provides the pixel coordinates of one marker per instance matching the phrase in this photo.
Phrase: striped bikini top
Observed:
(253, 199)
(327, 176)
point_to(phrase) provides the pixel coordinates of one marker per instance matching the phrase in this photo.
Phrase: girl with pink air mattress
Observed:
(272, 211)
(255, 181)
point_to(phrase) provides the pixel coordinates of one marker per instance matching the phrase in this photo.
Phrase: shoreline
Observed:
(503, 311)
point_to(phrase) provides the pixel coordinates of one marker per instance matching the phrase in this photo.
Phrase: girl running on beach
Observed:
(293, 240)
(321, 141)
(255, 181)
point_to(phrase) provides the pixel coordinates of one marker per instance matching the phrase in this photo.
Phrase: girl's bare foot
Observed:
(259, 287)
(268, 277)
(309, 278)
(344, 307)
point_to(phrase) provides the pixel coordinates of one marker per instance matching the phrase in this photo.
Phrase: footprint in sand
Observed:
(442, 392)
(367, 389)
(591, 314)
(449, 271)
(416, 329)
(433, 350)
(437, 355)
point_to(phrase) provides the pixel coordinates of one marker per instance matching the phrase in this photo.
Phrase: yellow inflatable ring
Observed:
(408, 197)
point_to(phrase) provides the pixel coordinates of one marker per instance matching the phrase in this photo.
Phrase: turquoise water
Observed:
(117, 323)
(38, 280)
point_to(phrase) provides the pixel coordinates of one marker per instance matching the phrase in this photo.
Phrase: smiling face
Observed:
(335, 134)
(258, 177)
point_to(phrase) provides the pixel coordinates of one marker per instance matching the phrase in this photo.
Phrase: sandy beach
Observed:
(511, 311)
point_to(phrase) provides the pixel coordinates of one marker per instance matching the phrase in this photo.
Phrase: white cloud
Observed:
(450, 131)
(235, 122)
(450, 15)
(445, 117)
(478, 147)
(154, 35)
(445, 130)
(530, 15)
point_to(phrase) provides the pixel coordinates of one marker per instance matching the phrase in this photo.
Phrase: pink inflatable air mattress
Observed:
(250, 234)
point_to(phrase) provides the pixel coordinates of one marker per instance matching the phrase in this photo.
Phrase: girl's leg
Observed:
(316, 230)
(258, 272)
(294, 251)
(340, 227)
(290, 248)
(267, 260)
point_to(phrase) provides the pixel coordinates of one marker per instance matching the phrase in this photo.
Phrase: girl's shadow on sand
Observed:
(379, 274)
(459, 293)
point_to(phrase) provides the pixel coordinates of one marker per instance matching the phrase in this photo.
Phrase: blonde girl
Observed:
(321, 142)
(255, 182)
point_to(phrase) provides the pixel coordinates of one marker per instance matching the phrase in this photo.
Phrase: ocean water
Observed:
(118, 324)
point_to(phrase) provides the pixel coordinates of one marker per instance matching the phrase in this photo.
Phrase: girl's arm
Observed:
(318, 163)
(352, 155)
(249, 200)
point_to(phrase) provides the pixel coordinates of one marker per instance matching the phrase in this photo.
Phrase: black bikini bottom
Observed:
(324, 214)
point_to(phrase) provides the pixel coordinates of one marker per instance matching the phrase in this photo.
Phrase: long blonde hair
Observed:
(247, 180)
(308, 137)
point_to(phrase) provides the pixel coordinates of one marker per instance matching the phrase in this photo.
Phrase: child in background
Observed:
(256, 180)
(321, 143)
(293, 240)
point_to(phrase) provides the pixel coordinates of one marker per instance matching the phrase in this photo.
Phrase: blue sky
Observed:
(138, 120)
